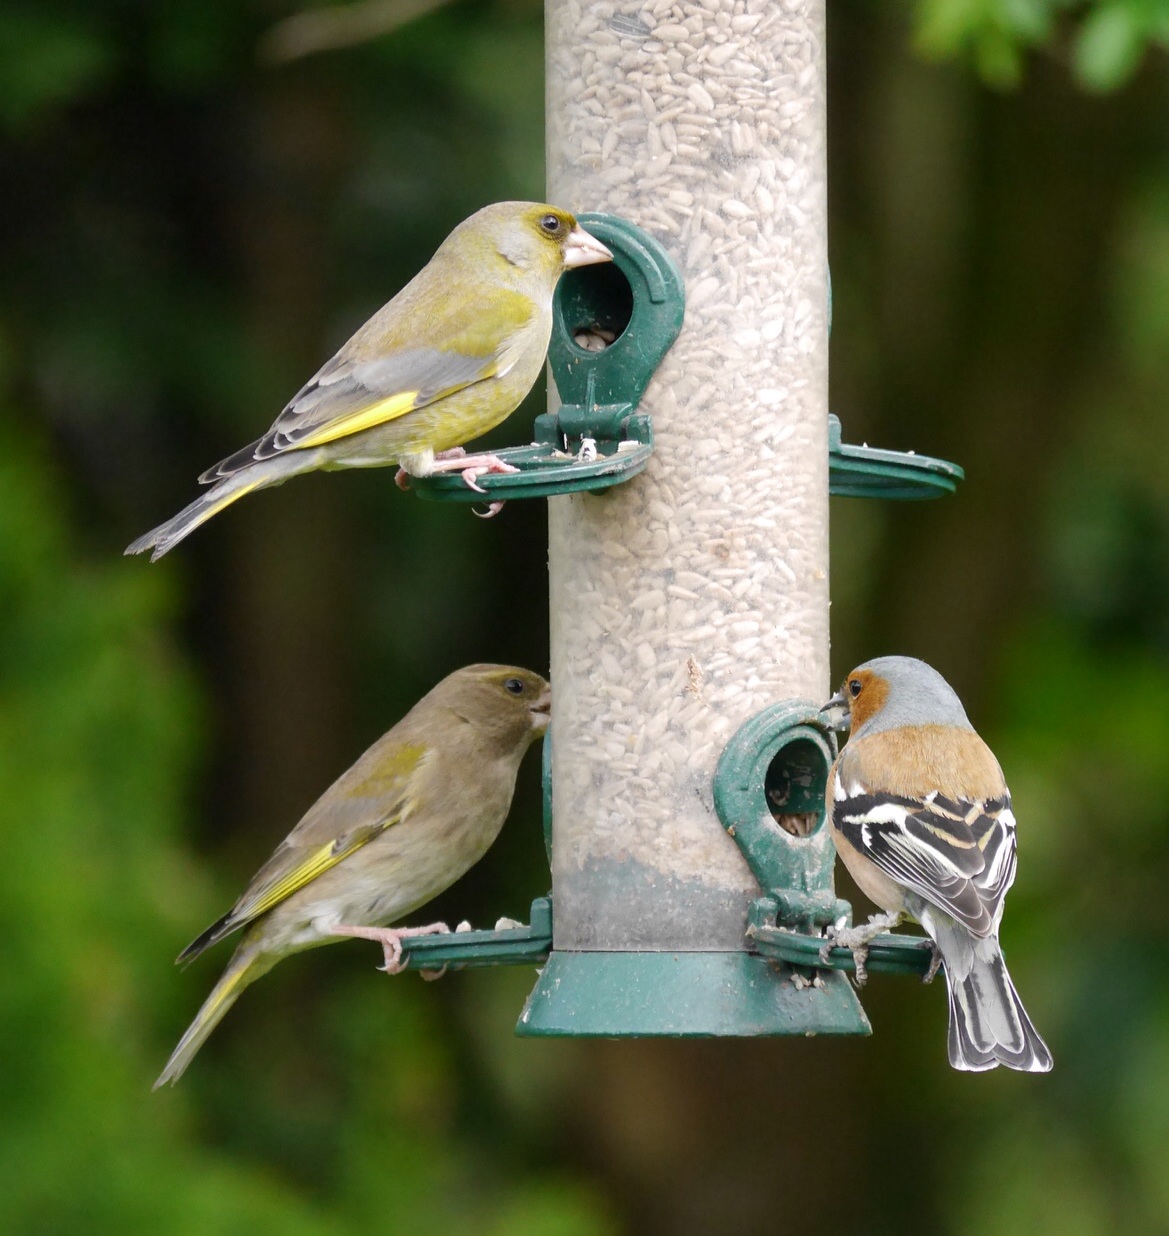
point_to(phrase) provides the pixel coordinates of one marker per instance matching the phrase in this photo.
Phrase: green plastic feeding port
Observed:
(769, 792)
(678, 994)
(866, 472)
(611, 325)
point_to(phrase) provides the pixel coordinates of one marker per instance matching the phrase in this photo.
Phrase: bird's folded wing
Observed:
(308, 852)
(296, 866)
(957, 855)
(351, 394)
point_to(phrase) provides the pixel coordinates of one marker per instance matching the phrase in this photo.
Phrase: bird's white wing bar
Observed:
(956, 855)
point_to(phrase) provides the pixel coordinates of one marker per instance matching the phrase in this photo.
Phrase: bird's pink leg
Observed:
(402, 477)
(472, 467)
(390, 938)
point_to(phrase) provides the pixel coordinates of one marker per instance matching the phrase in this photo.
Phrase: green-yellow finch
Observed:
(450, 357)
(419, 808)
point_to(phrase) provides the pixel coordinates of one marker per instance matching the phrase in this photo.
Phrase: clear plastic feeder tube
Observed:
(697, 594)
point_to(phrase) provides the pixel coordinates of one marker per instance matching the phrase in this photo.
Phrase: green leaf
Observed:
(999, 58)
(994, 33)
(1109, 47)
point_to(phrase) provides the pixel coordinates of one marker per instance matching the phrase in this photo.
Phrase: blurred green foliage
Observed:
(1103, 40)
(188, 230)
(99, 731)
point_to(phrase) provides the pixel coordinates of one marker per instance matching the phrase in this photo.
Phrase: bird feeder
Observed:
(686, 766)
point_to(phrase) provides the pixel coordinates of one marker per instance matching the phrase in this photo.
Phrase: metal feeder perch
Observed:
(867, 472)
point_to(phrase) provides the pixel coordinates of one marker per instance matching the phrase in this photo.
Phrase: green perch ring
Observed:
(868, 472)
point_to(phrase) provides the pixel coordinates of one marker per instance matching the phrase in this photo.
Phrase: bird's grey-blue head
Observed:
(889, 692)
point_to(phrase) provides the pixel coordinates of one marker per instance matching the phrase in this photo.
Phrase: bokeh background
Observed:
(198, 201)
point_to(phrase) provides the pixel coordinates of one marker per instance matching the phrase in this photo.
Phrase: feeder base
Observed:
(686, 995)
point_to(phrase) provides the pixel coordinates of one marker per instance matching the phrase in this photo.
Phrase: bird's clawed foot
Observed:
(858, 939)
(390, 938)
(470, 467)
(483, 465)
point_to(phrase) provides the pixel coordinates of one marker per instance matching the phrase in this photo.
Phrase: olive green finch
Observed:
(419, 808)
(450, 357)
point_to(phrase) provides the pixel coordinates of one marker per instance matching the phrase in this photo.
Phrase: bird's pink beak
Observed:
(541, 711)
(581, 249)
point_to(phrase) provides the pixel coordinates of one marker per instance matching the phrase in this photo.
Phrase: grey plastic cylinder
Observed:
(695, 595)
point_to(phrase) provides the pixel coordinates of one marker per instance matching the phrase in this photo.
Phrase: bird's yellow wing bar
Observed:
(364, 418)
(308, 869)
(291, 868)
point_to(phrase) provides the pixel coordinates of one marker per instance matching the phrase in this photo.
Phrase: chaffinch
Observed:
(921, 817)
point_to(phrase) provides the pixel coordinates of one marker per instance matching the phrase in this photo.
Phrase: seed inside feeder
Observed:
(709, 134)
(597, 303)
(594, 339)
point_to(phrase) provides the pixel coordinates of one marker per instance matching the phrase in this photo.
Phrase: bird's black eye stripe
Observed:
(854, 687)
(550, 224)
(514, 686)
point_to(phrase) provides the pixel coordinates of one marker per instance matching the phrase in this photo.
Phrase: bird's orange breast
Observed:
(914, 760)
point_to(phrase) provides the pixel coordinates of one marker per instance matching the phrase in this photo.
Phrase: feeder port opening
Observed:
(596, 305)
(794, 787)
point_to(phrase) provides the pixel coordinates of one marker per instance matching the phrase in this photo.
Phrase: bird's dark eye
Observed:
(551, 224)
(513, 686)
(854, 687)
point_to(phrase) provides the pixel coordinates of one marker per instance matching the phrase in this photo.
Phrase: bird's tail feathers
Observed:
(221, 927)
(988, 1023)
(247, 965)
(245, 457)
(233, 487)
